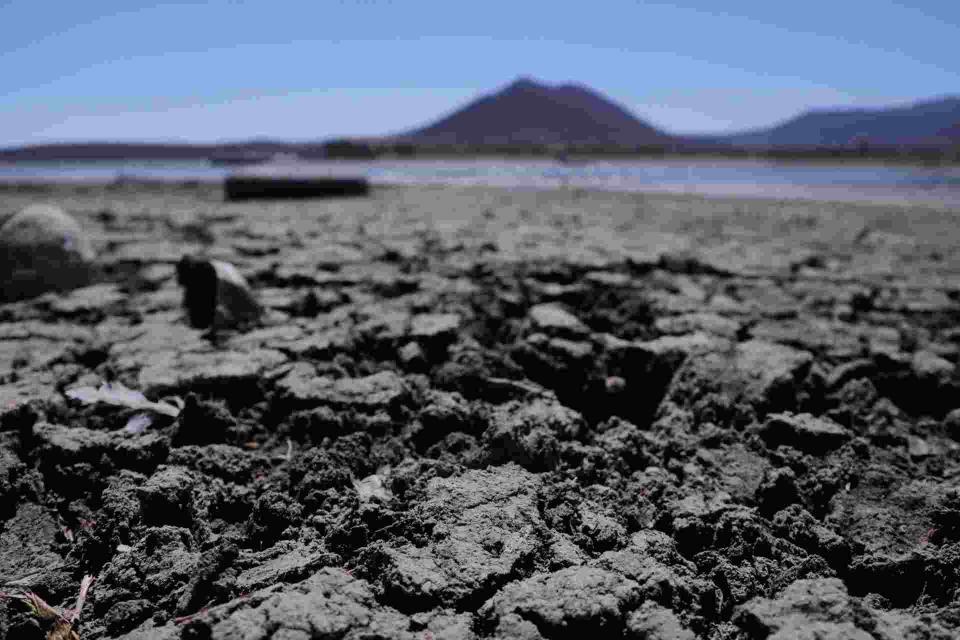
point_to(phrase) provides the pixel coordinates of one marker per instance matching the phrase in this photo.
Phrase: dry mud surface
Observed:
(490, 414)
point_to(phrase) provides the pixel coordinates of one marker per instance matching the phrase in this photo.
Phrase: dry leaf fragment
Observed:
(117, 394)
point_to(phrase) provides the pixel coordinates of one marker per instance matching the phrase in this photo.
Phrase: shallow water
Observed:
(750, 178)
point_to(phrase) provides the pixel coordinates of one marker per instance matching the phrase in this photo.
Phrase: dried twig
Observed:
(63, 622)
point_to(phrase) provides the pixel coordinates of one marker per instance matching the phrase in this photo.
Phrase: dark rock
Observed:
(42, 249)
(215, 294)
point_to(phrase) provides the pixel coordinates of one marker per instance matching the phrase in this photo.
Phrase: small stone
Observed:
(42, 249)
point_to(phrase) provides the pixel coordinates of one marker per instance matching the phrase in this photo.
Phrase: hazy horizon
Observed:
(227, 71)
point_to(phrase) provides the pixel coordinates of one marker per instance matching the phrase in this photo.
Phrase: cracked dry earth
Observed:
(474, 413)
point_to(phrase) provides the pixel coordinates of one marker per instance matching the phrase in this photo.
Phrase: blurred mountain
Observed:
(922, 124)
(529, 112)
(526, 116)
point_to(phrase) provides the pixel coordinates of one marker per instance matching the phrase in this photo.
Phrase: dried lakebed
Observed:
(477, 413)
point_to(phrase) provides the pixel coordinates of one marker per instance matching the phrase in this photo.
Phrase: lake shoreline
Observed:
(946, 197)
(733, 178)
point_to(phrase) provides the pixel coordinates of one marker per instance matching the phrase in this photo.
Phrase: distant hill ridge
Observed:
(928, 123)
(531, 113)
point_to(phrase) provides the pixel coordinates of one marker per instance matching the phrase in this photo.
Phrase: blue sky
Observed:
(219, 70)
